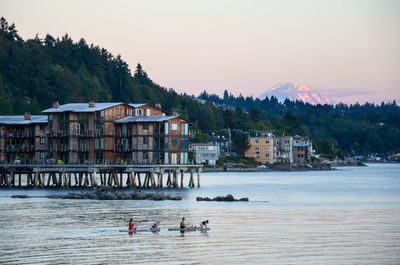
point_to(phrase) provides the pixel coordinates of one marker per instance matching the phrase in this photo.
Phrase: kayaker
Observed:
(204, 224)
(183, 226)
(131, 225)
(155, 225)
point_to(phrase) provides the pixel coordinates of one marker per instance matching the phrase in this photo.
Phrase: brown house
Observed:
(23, 138)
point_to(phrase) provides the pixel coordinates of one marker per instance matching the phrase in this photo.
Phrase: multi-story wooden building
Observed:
(116, 133)
(262, 149)
(23, 138)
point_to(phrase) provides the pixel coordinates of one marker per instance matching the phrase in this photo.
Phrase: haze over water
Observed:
(348, 216)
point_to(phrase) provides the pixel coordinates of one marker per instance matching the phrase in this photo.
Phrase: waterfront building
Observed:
(205, 153)
(302, 150)
(283, 149)
(96, 133)
(23, 138)
(261, 148)
(221, 142)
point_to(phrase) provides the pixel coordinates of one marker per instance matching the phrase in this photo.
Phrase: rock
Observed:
(104, 189)
(229, 198)
(207, 199)
(93, 196)
(219, 198)
(174, 197)
(141, 196)
(108, 196)
(157, 197)
(244, 199)
(124, 196)
(199, 199)
(72, 195)
(23, 196)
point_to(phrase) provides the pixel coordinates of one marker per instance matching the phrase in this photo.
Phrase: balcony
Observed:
(18, 134)
(123, 148)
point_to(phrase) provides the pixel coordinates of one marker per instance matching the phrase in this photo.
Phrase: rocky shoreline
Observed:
(227, 198)
(108, 193)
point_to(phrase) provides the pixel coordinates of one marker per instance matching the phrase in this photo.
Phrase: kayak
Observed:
(140, 230)
(188, 229)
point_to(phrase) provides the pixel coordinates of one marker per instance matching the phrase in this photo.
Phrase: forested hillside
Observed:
(37, 72)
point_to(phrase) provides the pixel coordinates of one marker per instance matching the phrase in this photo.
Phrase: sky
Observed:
(348, 50)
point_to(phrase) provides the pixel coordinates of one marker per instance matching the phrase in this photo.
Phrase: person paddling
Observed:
(204, 224)
(132, 226)
(183, 226)
(155, 225)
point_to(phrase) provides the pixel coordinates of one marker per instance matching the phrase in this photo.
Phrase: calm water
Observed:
(348, 216)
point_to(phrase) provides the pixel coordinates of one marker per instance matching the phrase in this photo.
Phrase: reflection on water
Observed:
(303, 224)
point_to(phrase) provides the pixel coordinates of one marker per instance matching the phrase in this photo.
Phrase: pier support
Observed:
(198, 178)
(182, 175)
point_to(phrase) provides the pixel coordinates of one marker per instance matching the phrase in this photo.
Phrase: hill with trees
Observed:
(36, 72)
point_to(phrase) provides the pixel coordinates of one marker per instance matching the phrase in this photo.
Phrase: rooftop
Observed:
(20, 119)
(130, 119)
(82, 107)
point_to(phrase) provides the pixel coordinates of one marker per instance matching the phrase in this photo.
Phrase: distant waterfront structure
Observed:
(96, 133)
(261, 148)
(283, 149)
(302, 150)
(221, 142)
(270, 149)
(205, 153)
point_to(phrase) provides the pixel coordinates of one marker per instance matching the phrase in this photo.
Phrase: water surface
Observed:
(347, 216)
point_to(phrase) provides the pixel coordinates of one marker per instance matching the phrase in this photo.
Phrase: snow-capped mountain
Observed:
(294, 91)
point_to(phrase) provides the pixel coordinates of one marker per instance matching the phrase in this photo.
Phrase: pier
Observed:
(89, 176)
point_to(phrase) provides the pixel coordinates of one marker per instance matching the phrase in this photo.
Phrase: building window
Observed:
(42, 155)
(148, 112)
(128, 112)
(118, 111)
(267, 142)
(145, 155)
(174, 126)
(145, 126)
(174, 142)
(266, 148)
(257, 148)
(139, 112)
(42, 126)
(145, 140)
(42, 140)
(257, 141)
(267, 155)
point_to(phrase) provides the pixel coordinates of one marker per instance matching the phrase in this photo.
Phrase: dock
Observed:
(90, 176)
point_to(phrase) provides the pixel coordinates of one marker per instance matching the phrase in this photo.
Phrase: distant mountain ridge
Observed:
(295, 91)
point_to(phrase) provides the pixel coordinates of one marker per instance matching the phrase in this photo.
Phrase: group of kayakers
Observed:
(182, 225)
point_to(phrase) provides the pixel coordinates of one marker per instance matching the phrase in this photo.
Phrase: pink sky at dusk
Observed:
(348, 49)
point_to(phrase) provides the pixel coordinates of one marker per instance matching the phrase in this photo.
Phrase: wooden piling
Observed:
(198, 178)
(182, 174)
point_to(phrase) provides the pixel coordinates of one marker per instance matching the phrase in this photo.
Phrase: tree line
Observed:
(36, 72)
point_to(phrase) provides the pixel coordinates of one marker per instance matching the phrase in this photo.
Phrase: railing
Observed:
(18, 148)
(17, 134)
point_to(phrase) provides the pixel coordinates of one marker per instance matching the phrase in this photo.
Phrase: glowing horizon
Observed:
(344, 48)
